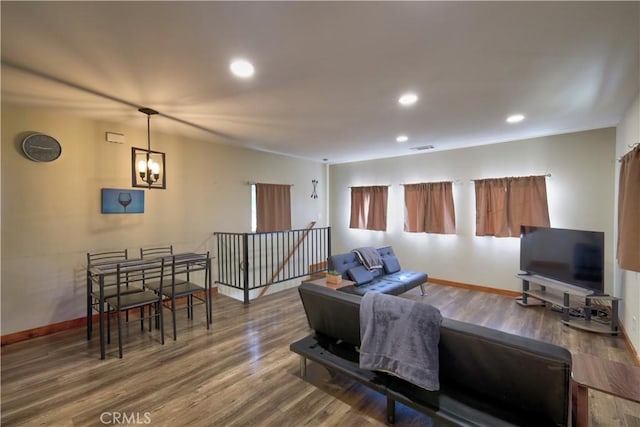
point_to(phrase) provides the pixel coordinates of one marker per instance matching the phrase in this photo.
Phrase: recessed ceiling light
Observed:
(408, 98)
(242, 68)
(515, 118)
(402, 138)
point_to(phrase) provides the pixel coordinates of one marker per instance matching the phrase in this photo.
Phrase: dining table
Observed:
(103, 274)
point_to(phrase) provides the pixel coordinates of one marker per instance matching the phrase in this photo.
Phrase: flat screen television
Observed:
(574, 257)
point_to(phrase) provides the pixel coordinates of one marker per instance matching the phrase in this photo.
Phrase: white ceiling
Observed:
(328, 74)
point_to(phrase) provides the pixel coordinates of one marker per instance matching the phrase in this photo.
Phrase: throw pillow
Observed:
(360, 275)
(391, 264)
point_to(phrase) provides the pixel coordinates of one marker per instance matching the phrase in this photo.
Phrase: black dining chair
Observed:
(123, 302)
(102, 259)
(155, 253)
(181, 284)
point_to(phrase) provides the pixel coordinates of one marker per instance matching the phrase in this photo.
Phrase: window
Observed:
(369, 208)
(504, 204)
(270, 207)
(428, 208)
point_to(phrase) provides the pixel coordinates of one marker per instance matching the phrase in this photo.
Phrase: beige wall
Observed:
(627, 283)
(579, 192)
(51, 212)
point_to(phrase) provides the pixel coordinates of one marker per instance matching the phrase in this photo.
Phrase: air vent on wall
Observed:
(423, 147)
(117, 138)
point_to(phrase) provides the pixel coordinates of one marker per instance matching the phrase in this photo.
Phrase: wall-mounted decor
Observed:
(122, 201)
(41, 148)
(147, 166)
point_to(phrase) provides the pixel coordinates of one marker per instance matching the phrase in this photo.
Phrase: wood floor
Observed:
(241, 372)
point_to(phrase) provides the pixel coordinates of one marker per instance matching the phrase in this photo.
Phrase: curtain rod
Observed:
(548, 175)
(633, 147)
(431, 182)
(356, 186)
(254, 183)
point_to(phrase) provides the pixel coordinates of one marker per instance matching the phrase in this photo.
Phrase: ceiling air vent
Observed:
(424, 147)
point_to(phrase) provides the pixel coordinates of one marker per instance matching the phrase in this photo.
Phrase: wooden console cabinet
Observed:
(567, 297)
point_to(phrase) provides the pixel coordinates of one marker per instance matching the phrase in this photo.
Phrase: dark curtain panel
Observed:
(429, 208)
(273, 207)
(369, 208)
(504, 204)
(628, 253)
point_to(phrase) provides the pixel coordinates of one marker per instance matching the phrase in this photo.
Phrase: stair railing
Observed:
(250, 261)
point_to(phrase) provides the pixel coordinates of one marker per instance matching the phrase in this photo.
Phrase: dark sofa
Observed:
(487, 377)
(389, 280)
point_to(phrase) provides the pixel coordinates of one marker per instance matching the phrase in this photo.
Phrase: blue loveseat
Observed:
(390, 279)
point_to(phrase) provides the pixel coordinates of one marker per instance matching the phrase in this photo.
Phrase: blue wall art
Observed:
(122, 201)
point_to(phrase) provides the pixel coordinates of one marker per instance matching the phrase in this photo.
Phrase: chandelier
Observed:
(148, 166)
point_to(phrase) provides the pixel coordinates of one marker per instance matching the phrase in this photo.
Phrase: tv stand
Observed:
(567, 297)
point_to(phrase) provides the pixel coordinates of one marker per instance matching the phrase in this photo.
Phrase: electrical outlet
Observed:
(634, 323)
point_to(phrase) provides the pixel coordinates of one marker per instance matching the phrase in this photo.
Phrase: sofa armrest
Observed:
(331, 313)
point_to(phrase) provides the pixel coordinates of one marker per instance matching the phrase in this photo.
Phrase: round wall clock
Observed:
(41, 148)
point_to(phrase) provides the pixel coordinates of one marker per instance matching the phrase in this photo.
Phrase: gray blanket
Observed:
(369, 257)
(401, 337)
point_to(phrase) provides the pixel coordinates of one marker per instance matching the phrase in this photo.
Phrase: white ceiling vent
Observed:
(423, 147)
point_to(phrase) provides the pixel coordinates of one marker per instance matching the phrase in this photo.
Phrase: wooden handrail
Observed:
(286, 260)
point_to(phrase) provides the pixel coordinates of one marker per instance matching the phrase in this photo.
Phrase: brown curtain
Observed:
(273, 207)
(504, 204)
(369, 208)
(429, 208)
(628, 253)
(359, 207)
(491, 207)
(527, 203)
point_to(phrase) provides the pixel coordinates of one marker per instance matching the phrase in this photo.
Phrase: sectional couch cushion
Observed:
(391, 264)
(343, 262)
(382, 286)
(360, 275)
(405, 276)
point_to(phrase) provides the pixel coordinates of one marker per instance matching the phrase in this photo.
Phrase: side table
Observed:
(603, 375)
(323, 282)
